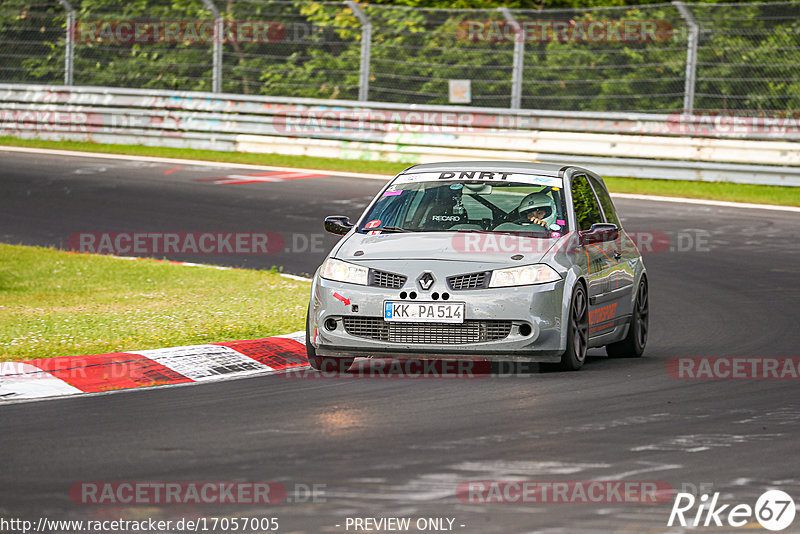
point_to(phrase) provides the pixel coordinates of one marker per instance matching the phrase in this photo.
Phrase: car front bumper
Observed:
(533, 316)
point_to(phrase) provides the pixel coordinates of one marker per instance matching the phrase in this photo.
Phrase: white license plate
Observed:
(423, 312)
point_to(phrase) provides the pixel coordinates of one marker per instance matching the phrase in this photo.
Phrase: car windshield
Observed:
(522, 207)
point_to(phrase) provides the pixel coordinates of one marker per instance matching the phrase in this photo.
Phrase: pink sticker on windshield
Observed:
(392, 193)
(555, 234)
(562, 222)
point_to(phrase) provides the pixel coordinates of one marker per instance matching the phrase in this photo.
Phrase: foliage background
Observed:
(749, 56)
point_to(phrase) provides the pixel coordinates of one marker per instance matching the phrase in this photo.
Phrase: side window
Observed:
(587, 211)
(605, 201)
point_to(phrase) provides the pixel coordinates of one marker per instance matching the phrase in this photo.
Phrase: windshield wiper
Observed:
(473, 231)
(501, 232)
(396, 229)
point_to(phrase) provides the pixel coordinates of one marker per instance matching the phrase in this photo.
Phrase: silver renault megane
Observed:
(499, 260)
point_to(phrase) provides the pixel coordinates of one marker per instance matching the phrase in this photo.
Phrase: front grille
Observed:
(384, 279)
(468, 281)
(470, 331)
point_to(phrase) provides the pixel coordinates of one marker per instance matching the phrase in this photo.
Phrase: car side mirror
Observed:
(338, 224)
(600, 232)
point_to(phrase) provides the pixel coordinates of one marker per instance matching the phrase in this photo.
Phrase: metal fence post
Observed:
(69, 45)
(691, 55)
(216, 63)
(366, 48)
(519, 58)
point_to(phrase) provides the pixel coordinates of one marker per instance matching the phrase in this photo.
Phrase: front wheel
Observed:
(577, 331)
(322, 363)
(633, 344)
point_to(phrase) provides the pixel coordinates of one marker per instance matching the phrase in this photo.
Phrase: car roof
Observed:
(543, 169)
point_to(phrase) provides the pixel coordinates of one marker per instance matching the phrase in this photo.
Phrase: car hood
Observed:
(483, 247)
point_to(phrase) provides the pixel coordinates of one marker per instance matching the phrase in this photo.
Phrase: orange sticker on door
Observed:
(601, 315)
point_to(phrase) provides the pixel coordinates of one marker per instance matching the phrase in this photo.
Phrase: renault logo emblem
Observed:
(425, 280)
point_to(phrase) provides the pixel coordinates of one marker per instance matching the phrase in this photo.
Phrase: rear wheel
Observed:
(633, 344)
(323, 363)
(577, 331)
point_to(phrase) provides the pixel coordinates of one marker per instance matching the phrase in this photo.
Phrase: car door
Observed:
(600, 266)
(621, 250)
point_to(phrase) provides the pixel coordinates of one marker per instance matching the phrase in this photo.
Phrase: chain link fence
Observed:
(32, 42)
(749, 56)
(664, 58)
(642, 69)
(415, 52)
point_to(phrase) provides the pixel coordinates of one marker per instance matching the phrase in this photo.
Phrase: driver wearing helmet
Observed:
(537, 208)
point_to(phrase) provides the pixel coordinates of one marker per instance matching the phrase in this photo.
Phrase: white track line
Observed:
(295, 277)
(721, 203)
(195, 162)
(190, 264)
(221, 164)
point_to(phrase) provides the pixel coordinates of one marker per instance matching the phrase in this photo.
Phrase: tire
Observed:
(577, 331)
(322, 363)
(636, 339)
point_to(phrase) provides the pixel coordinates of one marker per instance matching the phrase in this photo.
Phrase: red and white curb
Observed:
(261, 178)
(72, 375)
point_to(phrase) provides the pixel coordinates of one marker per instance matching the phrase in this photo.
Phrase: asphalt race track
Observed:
(380, 448)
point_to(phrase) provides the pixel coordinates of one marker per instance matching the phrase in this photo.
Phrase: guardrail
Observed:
(734, 149)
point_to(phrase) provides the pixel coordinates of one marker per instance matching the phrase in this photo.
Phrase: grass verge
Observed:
(758, 194)
(763, 194)
(55, 303)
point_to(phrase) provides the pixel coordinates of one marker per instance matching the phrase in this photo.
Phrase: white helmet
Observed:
(539, 201)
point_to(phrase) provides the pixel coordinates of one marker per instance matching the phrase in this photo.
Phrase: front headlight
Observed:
(524, 276)
(342, 271)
